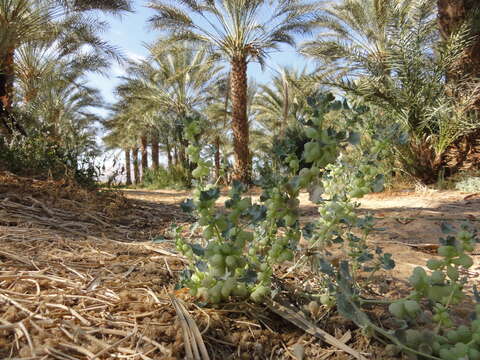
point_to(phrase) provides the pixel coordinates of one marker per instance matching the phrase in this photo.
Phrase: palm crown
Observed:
(238, 28)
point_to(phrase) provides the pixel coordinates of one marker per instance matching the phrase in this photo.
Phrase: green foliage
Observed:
(242, 245)
(39, 155)
(391, 58)
(174, 177)
(469, 184)
(440, 291)
(237, 29)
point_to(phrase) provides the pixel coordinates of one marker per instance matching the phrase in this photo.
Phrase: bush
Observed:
(38, 155)
(241, 245)
(470, 184)
(175, 177)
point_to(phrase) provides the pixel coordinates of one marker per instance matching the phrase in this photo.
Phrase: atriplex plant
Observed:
(426, 325)
(243, 243)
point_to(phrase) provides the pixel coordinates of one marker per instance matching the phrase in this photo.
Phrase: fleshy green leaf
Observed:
(387, 262)
(447, 228)
(211, 194)
(308, 230)
(187, 206)
(354, 138)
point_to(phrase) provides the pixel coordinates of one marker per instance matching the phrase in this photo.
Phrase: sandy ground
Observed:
(81, 278)
(407, 222)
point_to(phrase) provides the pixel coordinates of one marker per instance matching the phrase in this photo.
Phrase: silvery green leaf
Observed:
(315, 193)
(378, 183)
(387, 262)
(308, 230)
(447, 228)
(187, 206)
(354, 138)
(211, 194)
(197, 249)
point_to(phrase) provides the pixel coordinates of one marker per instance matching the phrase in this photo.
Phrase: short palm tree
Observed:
(282, 102)
(453, 15)
(388, 54)
(242, 31)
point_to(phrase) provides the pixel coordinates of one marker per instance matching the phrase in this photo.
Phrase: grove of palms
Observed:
(197, 195)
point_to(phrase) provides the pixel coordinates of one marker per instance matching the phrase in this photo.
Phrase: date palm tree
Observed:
(282, 102)
(62, 22)
(387, 53)
(242, 31)
(217, 113)
(171, 84)
(453, 15)
(124, 131)
(120, 136)
(65, 108)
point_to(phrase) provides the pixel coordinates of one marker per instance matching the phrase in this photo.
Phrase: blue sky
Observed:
(131, 31)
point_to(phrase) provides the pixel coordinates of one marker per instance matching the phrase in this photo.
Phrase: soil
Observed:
(88, 275)
(408, 223)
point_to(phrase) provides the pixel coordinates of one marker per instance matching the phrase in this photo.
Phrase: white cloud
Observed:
(120, 69)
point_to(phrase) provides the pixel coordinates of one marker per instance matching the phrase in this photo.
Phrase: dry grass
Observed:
(80, 278)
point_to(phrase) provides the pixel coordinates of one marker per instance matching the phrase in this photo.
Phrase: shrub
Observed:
(38, 155)
(175, 177)
(242, 245)
(470, 184)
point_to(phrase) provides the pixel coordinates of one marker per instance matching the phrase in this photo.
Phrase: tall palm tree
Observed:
(122, 134)
(144, 151)
(114, 139)
(155, 149)
(217, 113)
(63, 103)
(136, 170)
(242, 31)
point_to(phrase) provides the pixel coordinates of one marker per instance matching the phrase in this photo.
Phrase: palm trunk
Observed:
(155, 152)
(7, 73)
(128, 167)
(175, 155)
(286, 106)
(136, 170)
(242, 167)
(6, 79)
(4, 101)
(169, 153)
(144, 144)
(217, 157)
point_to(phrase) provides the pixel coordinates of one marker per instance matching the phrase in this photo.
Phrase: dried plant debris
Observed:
(76, 283)
(68, 208)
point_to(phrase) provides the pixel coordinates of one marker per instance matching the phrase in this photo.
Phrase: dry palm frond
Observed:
(194, 345)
